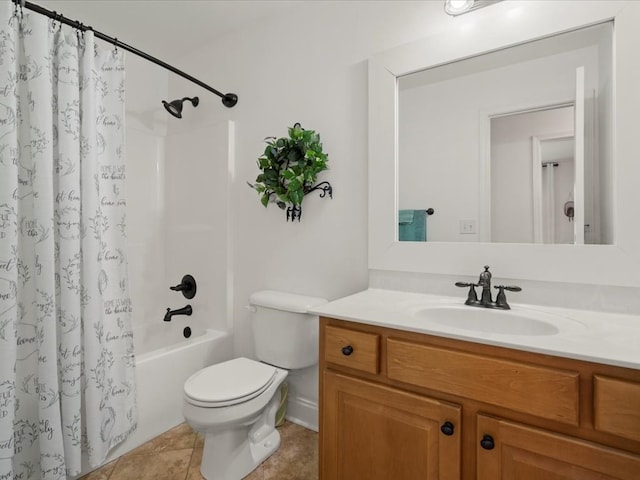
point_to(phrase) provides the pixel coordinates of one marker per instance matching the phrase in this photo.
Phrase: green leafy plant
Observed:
(290, 166)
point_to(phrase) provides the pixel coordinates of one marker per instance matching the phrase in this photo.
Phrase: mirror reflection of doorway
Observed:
(525, 195)
(556, 193)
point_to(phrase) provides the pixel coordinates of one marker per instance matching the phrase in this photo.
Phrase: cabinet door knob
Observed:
(447, 428)
(487, 442)
(348, 350)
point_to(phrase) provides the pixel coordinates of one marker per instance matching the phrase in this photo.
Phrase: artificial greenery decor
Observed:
(290, 166)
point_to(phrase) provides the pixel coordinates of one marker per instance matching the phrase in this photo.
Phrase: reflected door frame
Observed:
(484, 175)
(536, 168)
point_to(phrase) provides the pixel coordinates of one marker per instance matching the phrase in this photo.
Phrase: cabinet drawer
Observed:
(353, 349)
(540, 391)
(617, 406)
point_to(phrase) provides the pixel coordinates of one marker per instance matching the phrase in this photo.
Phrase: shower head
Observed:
(175, 107)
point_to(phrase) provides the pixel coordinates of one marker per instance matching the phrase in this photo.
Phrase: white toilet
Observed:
(234, 403)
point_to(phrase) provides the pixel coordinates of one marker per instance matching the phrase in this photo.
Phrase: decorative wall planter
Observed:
(290, 166)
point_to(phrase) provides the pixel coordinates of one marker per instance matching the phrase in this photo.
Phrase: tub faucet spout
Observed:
(180, 311)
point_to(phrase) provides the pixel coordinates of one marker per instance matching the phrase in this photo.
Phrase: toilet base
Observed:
(239, 463)
(233, 453)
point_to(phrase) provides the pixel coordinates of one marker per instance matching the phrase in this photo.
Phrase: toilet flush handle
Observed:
(251, 308)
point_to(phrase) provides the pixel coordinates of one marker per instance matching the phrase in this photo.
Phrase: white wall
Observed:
(177, 212)
(197, 209)
(145, 131)
(308, 67)
(512, 173)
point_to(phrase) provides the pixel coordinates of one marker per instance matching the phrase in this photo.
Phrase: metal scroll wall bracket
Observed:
(294, 212)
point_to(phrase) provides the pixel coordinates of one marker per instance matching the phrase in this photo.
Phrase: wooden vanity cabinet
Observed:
(407, 406)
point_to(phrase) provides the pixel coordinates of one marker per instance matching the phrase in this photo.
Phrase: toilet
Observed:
(234, 403)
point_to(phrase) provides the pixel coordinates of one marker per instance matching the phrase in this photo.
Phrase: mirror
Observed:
(513, 100)
(615, 262)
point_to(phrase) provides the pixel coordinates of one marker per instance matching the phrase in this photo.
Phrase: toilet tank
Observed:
(284, 333)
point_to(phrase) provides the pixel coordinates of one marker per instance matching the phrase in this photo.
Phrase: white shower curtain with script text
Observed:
(67, 380)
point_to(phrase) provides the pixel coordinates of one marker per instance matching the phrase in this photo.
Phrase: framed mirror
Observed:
(606, 256)
(506, 100)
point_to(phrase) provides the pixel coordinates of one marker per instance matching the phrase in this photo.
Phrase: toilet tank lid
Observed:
(288, 302)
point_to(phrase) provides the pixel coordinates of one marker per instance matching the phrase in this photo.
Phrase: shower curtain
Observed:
(66, 350)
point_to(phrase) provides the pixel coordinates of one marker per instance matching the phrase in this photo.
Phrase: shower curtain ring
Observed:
(53, 21)
(115, 45)
(18, 4)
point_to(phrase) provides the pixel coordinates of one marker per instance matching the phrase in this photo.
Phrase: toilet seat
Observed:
(229, 383)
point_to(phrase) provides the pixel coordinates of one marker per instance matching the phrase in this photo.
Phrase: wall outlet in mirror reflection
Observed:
(467, 227)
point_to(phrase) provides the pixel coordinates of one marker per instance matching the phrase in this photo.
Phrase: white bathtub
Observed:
(161, 376)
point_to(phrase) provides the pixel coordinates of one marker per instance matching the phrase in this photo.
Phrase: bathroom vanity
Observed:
(405, 397)
(415, 386)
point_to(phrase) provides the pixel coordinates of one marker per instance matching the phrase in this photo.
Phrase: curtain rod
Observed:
(228, 99)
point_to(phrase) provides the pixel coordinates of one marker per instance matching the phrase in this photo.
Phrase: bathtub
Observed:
(161, 375)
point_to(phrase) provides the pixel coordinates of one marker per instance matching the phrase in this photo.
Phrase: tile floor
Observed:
(176, 455)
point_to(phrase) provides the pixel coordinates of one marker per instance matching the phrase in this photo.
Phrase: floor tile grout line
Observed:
(186, 473)
(193, 452)
(114, 467)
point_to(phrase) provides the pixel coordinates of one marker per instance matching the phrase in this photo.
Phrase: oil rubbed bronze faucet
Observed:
(485, 297)
(180, 311)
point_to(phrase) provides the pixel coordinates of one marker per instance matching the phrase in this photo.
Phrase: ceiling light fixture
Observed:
(459, 7)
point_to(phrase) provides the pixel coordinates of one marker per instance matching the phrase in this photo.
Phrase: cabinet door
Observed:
(374, 432)
(528, 453)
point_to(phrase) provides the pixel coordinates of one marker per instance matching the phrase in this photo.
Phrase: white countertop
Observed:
(601, 337)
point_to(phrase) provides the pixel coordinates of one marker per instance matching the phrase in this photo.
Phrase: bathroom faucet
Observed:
(180, 311)
(485, 297)
(485, 282)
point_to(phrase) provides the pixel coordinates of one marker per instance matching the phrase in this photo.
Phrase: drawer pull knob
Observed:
(348, 350)
(447, 428)
(487, 442)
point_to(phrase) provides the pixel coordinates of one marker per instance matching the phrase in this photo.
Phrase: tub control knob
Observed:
(348, 350)
(187, 286)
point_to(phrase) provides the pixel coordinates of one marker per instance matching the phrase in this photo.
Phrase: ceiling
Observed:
(167, 28)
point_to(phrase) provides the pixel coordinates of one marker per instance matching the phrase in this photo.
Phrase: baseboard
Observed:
(303, 412)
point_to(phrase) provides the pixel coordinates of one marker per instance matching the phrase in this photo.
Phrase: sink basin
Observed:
(501, 322)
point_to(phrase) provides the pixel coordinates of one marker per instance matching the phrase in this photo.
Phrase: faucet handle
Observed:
(510, 288)
(501, 298)
(472, 297)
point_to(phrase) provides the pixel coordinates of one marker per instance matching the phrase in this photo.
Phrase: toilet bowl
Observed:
(237, 418)
(234, 403)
